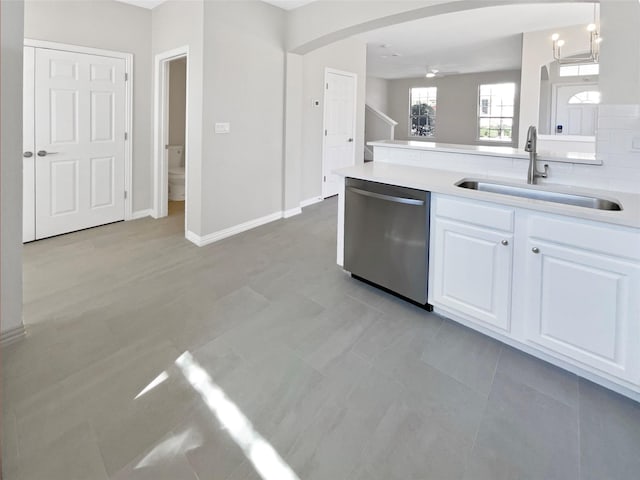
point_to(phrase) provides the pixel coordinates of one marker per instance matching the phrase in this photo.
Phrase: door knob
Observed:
(535, 250)
(27, 154)
(44, 153)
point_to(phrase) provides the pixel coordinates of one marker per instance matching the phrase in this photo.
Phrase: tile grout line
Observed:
(579, 430)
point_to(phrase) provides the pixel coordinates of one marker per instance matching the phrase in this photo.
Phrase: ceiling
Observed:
(481, 40)
(143, 3)
(288, 4)
(285, 4)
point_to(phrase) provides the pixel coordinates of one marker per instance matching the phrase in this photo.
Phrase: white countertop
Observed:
(490, 150)
(442, 181)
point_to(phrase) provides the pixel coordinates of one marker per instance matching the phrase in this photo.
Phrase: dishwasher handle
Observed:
(389, 198)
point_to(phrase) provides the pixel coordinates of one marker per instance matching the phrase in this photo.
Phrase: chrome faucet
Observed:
(532, 144)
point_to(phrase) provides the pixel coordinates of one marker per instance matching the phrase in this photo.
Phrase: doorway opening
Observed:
(171, 133)
(176, 120)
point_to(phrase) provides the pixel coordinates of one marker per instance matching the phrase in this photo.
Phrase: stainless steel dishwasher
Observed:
(386, 237)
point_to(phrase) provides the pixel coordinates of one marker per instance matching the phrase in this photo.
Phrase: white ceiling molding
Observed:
(289, 4)
(284, 4)
(149, 4)
(471, 41)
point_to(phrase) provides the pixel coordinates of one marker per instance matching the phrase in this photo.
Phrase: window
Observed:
(422, 117)
(591, 96)
(495, 111)
(579, 70)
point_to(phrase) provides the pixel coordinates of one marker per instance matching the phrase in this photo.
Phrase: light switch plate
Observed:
(223, 127)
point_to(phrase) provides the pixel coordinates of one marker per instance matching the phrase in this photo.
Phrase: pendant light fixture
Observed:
(594, 46)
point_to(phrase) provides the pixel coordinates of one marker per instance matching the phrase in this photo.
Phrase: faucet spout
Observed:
(532, 147)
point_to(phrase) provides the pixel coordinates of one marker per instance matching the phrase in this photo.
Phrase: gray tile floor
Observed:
(342, 380)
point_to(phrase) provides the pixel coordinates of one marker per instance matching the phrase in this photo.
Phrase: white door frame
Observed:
(128, 143)
(354, 76)
(161, 131)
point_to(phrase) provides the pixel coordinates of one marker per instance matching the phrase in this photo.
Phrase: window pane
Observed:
(579, 70)
(591, 96)
(495, 111)
(423, 111)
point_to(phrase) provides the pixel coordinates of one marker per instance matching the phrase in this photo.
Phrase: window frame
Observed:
(480, 116)
(410, 114)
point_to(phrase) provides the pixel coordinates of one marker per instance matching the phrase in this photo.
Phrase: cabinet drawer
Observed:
(584, 234)
(475, 213)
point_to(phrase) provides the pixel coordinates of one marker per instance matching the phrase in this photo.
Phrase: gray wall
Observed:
(177, 100)
(108, 25)
(11, 166)
(377, 93)
(457, 106)
(348, 55)
(244, 78)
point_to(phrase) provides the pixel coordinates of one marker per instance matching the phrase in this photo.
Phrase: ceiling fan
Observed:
(434, 72)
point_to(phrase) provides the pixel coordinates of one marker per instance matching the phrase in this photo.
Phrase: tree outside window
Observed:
(495, 112)
(422, 119)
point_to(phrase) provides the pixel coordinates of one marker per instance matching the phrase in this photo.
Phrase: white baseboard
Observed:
(229, 232)
(12, 335)
(292, 212)
(141, 214)
(310, 201)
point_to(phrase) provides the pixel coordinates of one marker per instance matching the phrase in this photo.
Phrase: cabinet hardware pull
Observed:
(505, 242)
(535, 250)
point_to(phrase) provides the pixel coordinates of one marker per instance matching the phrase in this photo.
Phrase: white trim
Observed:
(310, 201)
(160, 134)
(12, 335)
(229, 232)
(354, 77)
(141, 214)
(292, 212)
(128, 68)
(381, 115)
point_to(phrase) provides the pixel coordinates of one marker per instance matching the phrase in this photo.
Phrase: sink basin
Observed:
(538, 194)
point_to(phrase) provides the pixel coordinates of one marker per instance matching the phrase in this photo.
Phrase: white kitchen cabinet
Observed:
(561, 287)
(471, 264)
(583, 293)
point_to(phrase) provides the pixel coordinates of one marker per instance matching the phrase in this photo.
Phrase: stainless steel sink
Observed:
(538, 194)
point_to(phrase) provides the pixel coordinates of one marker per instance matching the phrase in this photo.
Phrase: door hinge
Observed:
(125, 194)
(325, 178)
(126, 136)
(327, 85)
(325, 132)
(126, 77)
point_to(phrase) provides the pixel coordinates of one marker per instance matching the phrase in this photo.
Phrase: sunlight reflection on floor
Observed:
(265, 459)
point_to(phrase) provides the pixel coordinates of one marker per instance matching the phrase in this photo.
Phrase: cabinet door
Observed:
(472, 272)
(584, 305)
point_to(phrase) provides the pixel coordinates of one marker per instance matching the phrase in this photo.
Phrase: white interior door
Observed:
(79, 138)
(575, 118)
(339, 123)
(28, 148)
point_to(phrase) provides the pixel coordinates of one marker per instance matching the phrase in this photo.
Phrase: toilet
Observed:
(176, 172)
